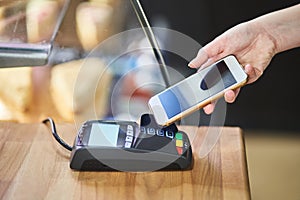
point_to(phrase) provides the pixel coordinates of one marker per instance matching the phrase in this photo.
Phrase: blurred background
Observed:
(267, 110)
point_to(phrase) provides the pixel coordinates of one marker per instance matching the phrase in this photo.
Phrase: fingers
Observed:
(253, 73)
(208, 109)
(231, 95)
(200, 59)
(209, 53)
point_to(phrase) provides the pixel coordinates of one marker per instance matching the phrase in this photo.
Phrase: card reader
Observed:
(103, 145)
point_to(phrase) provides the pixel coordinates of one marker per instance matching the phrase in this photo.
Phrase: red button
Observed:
(179, 150)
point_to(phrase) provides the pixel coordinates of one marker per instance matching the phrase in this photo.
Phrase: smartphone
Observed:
(197, 90)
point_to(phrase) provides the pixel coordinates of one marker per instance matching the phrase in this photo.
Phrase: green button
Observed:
(178, 136)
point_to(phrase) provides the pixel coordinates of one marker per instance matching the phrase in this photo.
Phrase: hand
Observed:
(252, 45)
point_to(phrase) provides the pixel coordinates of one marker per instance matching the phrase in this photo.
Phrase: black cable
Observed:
(54, 133)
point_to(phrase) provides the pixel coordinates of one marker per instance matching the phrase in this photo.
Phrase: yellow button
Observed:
(179, 143)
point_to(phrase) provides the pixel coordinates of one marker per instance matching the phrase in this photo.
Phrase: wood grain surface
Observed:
(34, 166)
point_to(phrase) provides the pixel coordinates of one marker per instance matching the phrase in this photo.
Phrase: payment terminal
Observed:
(103, 145)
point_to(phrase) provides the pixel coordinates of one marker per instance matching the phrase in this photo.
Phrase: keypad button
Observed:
(178, 136)
(80, 140)
(151, 131)
(170, 134)
(129, 139)
(143, 130)
(179, 143)
(186, 145)
(80, 137)
(179, 150)
(127, 144)
(160, 133)
(130, 127)
(129, 132)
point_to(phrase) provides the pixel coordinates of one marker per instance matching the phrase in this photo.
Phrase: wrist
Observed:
(283, 27)
(266, 32)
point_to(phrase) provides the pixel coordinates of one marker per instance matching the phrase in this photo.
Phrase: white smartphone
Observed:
(197, 90)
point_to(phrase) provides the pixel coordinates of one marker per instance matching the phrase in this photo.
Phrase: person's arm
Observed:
(254, 43)
(283, 26)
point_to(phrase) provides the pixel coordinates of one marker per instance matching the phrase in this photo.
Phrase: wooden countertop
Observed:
(34, 166)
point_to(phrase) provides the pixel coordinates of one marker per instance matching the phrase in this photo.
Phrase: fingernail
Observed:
(208, 109)
(192, 64)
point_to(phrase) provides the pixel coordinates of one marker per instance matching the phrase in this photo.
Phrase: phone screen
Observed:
(197, 88)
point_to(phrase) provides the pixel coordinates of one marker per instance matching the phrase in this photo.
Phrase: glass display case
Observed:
(91, 57)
